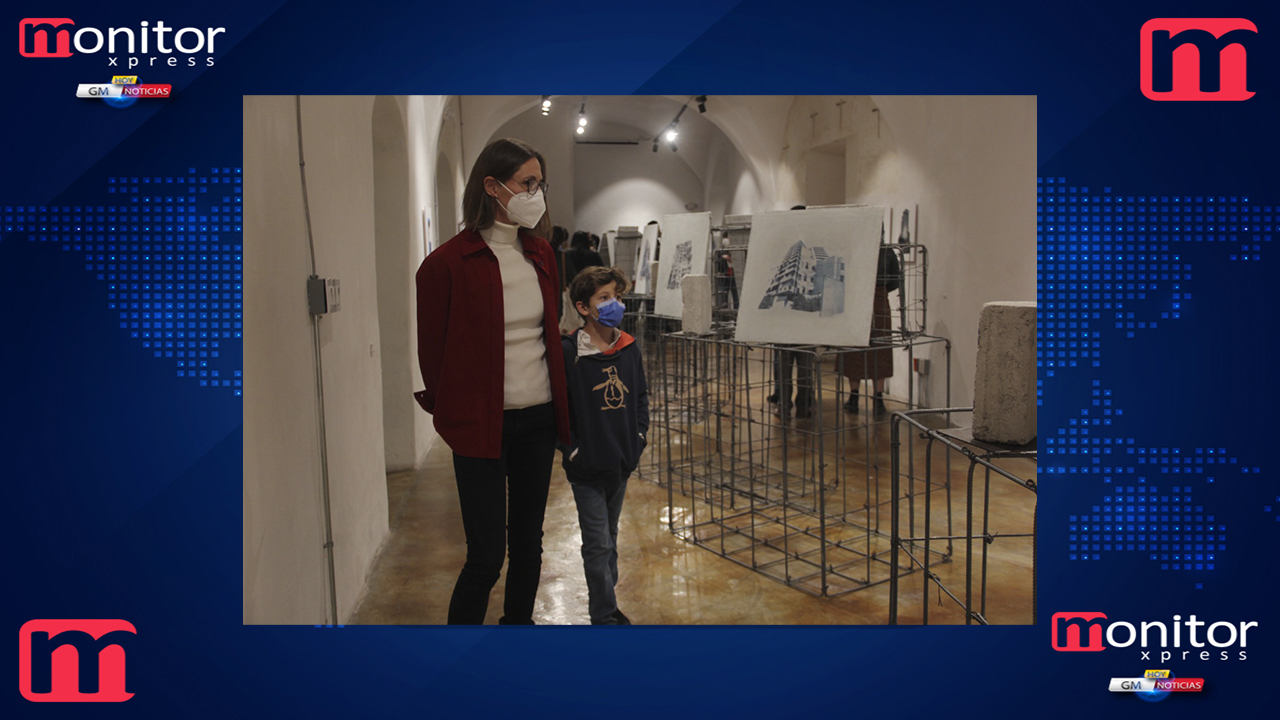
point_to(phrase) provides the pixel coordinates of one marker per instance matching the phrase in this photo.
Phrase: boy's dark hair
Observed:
(591, 279)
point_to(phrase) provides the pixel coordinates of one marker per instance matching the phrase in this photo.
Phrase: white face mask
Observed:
(523, 210)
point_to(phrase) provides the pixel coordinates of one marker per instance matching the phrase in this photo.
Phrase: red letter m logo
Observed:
(1076, 632)
(1196, 59)
(40, 37)
(74, 660)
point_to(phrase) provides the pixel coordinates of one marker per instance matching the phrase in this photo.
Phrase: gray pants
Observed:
(599, 504)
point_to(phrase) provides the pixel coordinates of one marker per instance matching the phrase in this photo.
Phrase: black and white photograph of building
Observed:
(807, 280)
(688, 235)
(681, 264)
(810, 276)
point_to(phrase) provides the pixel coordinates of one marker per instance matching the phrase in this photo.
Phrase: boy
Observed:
(609, 417)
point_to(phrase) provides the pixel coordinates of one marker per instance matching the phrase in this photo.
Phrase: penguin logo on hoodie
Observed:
(614, 391)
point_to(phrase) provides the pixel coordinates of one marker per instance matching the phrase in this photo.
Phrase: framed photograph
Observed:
(811, 276)
(685, 239)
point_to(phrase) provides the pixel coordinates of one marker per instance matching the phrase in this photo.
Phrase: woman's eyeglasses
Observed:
(532, 186)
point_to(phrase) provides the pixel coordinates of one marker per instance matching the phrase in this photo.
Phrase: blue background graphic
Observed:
(122, 467)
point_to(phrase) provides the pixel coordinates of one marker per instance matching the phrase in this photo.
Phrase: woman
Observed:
(581, 255)
(493, 368)
(876, 364)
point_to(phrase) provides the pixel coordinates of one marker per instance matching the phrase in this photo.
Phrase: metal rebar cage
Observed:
(797, 488)
(917, 532)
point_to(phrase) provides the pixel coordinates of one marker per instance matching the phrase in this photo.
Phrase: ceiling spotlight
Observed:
(702, 103)
(581, 129)
(582, 120)
(546, 104)
(671, 135)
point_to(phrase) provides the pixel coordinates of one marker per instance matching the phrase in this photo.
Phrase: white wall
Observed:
(824, 177)
(729, 185)
(629, 185)
(284, 576)
(970, 163)
(430, 126)
(392, 222)
(284, 561)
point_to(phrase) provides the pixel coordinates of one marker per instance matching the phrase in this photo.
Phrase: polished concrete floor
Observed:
(666, 580)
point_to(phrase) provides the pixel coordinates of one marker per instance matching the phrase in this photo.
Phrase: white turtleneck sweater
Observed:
(525, 380)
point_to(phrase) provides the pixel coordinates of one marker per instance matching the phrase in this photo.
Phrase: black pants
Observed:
(803, 362)
(503, 501)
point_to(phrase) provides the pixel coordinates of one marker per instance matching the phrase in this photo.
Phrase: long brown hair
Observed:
(500, 160)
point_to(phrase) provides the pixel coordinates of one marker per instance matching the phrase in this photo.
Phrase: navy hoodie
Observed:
(608, 409)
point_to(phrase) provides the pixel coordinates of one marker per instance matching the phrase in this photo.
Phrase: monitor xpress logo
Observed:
(1197, 59)
(1084, 632)
(74, 660)
(127, 47)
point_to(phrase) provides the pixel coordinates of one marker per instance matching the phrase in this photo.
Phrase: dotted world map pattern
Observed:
(168, 252)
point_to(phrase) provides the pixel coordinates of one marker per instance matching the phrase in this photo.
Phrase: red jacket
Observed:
(461, 341)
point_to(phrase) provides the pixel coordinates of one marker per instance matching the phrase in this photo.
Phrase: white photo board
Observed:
(811, 276)
(684, 252)
(626, 245)
(644, 255)
(608, 249)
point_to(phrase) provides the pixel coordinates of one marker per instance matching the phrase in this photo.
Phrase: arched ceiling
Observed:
(753, 125)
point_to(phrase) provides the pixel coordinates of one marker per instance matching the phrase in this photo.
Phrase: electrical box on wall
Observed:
(324, 295)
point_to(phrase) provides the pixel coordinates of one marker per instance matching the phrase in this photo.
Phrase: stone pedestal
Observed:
(1004, 387)
(696, 292)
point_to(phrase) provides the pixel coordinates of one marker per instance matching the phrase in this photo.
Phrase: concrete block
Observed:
(1004, 387)
(696, 293)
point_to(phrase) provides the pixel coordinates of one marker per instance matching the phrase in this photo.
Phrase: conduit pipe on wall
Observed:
(315, 344)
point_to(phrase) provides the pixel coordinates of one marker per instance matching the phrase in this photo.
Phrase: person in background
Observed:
(602, 247)
(876, 364)
(580, 255)
(494, 377)
(609, 411)
(726, 284)
(657, 244)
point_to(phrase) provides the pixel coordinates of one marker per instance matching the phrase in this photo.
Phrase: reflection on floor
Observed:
(665, 580)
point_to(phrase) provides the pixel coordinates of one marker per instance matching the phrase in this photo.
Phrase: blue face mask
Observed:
(611, 313)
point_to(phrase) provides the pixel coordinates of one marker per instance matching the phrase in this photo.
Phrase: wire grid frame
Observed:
(916, 533)
(910, 303)
(646, 327)
(797, 490)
